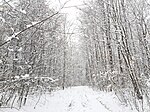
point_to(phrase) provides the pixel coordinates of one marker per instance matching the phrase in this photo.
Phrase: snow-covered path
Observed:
(75, 99)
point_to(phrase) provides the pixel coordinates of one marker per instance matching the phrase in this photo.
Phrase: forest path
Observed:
(74, 99)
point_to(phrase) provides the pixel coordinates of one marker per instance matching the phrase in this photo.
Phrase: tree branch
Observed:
(31, 27)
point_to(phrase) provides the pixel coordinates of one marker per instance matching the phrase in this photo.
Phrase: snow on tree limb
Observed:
(33, 25)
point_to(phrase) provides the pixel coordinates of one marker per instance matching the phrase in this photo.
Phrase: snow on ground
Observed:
(75, 99)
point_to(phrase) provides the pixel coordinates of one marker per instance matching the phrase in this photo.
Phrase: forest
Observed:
(38, 53)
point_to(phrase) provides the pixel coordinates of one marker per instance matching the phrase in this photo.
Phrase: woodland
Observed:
(38, 55)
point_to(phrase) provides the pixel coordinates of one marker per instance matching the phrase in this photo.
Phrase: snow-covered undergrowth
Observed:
(75, 99)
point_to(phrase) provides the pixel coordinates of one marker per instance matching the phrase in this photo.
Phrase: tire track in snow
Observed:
(85, 101)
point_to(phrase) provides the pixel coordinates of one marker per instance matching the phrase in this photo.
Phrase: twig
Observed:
(104, 105)
(31, 27)
(38, 101)
(10, 108)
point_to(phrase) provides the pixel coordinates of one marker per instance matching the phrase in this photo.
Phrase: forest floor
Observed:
(74, 99)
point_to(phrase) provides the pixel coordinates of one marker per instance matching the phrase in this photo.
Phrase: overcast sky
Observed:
(72, 14)
(70, 9)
